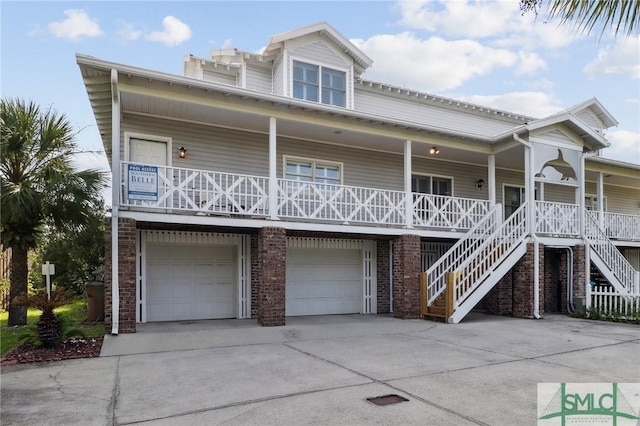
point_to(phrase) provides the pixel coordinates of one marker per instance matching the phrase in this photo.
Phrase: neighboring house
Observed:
(284, 183)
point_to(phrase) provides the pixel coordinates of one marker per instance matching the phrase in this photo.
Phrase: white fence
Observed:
(610, 304)
(557, 219)
(621, 226)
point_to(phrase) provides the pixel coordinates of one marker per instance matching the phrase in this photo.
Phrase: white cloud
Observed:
(623, 59)
(501, 23)
(477, 19)
(127, 32)
(625, 146)
(432, 64)
(529, 63)
(533, 104)
(78, 24)
(633, 100)
(174, 32)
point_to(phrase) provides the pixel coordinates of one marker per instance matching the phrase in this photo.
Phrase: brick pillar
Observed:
(579, 273)
(272, 255)
(127, 237)
(499, 300)
(383, 278)
(255, 275)
(406, 277)
(523, 283)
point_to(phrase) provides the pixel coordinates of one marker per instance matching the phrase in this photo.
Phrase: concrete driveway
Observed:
(321, 370)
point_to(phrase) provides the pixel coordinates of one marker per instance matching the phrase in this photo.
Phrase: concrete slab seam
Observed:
(424, 401)
(111, 408)
(240, 404)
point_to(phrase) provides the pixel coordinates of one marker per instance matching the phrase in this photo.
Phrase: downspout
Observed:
(536, 276)
(532, 230)
(570, 306)
(115, 200)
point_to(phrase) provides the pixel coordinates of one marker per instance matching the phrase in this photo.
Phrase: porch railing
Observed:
(621, 226)
(452, 213)
(619, 266)
(206, 192)
(459, 252)
(557, 219)
(345, 204)
(199, 191)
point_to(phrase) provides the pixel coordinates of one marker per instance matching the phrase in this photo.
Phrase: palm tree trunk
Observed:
(19, 271)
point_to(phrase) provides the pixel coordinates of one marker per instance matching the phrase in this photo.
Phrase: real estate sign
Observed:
(142, 182)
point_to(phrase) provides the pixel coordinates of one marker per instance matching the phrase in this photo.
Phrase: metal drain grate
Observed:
(387, 399)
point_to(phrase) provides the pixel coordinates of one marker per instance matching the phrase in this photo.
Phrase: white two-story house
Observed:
(285, 183)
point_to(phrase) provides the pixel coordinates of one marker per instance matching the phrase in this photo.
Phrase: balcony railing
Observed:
(621, 226)
(557, 219)
(202, 192)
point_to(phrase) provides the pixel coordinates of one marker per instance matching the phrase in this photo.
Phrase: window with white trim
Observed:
(435, 185)
(591, 202)
(319, 84)
(317, 171)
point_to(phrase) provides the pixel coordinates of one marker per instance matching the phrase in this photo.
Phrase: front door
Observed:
(514, 196)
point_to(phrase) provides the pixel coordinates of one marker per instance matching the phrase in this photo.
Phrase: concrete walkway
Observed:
(320, 370)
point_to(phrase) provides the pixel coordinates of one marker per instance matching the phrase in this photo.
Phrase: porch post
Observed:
(115, 200)
(407, 185)
(491, 177)
(581, 194)
(273, 177)
(600, 195)
(530, 189)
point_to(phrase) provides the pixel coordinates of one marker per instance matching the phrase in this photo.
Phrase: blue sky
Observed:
(483, 52)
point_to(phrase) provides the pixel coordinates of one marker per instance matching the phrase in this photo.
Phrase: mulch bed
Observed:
(69, 349)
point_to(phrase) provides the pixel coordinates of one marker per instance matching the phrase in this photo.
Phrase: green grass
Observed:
(74, 312)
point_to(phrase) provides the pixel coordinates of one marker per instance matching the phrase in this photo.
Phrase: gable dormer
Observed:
(316, 64)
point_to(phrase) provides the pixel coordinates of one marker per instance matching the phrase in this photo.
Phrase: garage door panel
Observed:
(190, 282)
(323, 281)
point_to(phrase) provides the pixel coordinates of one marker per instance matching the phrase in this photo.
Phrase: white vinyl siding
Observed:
(259, 79)
(219, 77)
(320, 53)
(191, 68)
(436, 115)
(278, 77)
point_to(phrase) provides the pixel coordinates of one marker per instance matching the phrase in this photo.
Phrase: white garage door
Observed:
(323, 281)
(190, 282)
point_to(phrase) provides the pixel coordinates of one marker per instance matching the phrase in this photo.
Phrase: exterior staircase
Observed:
(608, 259)
(474, 265)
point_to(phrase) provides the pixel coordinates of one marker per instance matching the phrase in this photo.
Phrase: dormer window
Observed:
(319, 84)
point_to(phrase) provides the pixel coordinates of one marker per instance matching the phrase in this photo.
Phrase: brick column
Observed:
(383, 278)
(580, 273)
(499, 300)
(255, 275)
(406, 277)
(523, 278)
(127, 238)
(272, 255)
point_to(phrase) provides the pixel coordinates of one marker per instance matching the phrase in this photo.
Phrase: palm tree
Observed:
(39, 185)
(619, 15)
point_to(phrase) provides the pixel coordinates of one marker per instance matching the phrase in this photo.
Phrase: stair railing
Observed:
(619, 266)
(456, 255)
(475, 269)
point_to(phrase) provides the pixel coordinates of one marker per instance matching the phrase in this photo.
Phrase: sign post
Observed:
(48, 269)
